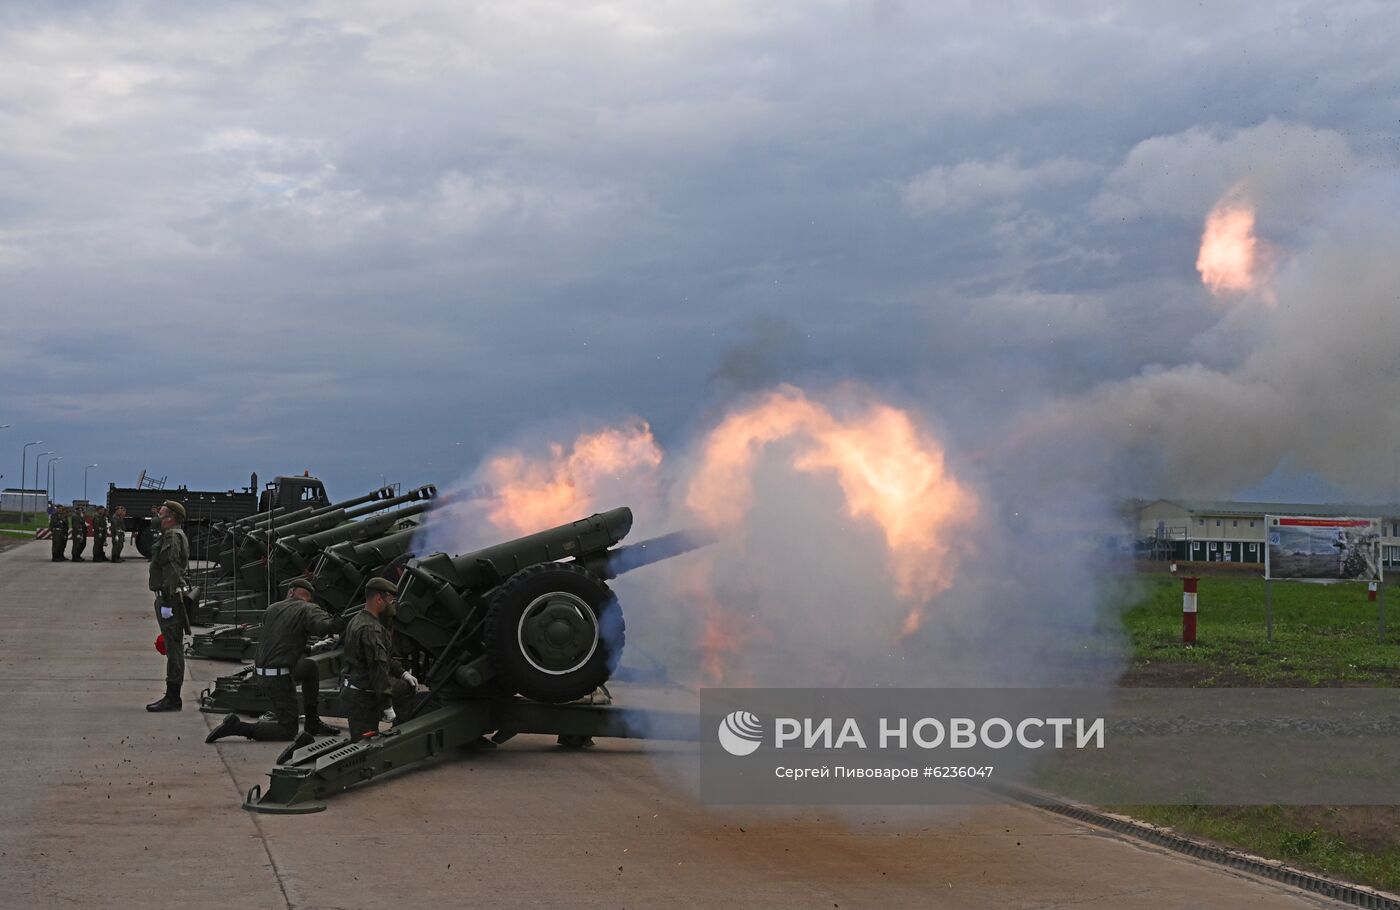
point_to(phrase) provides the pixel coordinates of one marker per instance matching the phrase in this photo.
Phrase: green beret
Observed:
(175, 507)
(304, 583)
(381, 584)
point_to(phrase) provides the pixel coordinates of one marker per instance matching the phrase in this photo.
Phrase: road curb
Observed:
(1347, 893)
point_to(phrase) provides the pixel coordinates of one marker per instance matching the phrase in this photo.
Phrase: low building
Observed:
(28, 501)
(1196, 530)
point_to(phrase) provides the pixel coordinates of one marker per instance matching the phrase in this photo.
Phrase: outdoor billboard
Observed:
(1335, 549)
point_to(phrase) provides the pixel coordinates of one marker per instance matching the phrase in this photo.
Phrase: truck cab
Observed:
(295, 492)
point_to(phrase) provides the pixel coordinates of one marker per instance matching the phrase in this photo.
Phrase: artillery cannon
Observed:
(233, 533)
(339, 575)
(502, 638)
(284, 552)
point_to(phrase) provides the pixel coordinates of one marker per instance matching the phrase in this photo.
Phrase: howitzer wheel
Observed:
(554, 632)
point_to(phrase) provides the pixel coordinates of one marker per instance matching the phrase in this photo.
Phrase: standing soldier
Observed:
(170, 560)
(373, 679)
(280, 664)
(118, 533)
(58, 533)
(99, 535)
(78, 532)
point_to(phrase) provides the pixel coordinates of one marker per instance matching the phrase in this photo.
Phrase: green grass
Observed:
(41, 521)
(1323, 634)
(1315, 837)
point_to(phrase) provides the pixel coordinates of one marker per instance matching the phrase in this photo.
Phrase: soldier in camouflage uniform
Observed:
(280, 664)
(170, 561)
(77, 531)
(58, 533)
(118, 533)
(374, 680)
(100, 527)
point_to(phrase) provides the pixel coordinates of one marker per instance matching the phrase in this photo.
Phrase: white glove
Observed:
(167, 613)
(389, 715)
(410, 679)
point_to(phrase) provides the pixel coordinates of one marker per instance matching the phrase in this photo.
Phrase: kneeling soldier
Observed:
(374, 680)
(281, 663)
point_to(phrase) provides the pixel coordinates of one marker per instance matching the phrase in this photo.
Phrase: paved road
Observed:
(103, 804)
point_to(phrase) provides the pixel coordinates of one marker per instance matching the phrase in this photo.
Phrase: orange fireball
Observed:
(891, 474)
(537, 493)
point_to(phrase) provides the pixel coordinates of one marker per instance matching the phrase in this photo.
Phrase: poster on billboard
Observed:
(1331, 549)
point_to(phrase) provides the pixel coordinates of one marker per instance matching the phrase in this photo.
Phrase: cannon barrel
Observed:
(635, 556)
(326, 519)
(374, 552)
(352, 531)
(486, 568)
(419, 494)
(310, 512)
(250, 520)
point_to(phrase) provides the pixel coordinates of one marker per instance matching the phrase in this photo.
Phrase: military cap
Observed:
(303, 583)
(175, 507)
(381, 584)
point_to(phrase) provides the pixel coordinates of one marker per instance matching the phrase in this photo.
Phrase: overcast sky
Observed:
(363, 238)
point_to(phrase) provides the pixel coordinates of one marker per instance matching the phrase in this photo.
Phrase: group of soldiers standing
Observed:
(72, 524)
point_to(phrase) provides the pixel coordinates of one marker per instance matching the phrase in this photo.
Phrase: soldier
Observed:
(170, 560)
(281, 663)
(77, 531)
(373, 679)
(58, 533)
(99, 535)
(118, 533)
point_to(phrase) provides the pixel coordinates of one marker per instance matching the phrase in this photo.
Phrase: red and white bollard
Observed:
(1188, 610)
(1371, 592)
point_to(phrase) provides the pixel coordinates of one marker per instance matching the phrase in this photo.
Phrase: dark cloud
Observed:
(363, 239)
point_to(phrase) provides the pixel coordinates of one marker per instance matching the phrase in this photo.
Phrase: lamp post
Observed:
(23, 470)
(53, 479)
(36, 472)
(85, 470)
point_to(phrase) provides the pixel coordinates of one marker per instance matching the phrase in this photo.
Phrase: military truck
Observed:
(205, 508)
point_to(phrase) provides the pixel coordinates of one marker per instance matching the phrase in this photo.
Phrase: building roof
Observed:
(1230, 507)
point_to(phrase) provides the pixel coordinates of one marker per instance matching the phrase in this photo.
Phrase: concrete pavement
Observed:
(103, 804)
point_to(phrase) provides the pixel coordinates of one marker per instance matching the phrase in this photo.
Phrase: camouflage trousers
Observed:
(282, 692)
(60, 543)
(79, 545)
(174, 632)
(363, 709)
(118, 543)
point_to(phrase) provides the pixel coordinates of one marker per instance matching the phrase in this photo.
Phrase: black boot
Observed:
(232, 725)
(79, 559)
(168, 702)
(317, 727)
(116, 559)
(303, 739)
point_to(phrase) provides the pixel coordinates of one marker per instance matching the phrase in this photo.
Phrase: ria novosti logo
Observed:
(741, 733)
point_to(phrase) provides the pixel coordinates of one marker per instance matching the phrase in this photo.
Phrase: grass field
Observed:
(1324, 635)
(41, 521)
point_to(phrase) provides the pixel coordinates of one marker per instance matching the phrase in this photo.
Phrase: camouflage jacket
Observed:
(287, 626)
(118, 527)
(170, 560)
(368, 664)
(58, 524)
(77, 526)
(100, 526)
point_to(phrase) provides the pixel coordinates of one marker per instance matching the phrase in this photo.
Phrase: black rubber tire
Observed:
(144, 539)
(514, 672)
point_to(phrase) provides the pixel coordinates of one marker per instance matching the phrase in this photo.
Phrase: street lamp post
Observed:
(85, 470)
(36, 472)
(23, 471)
(53, 479)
